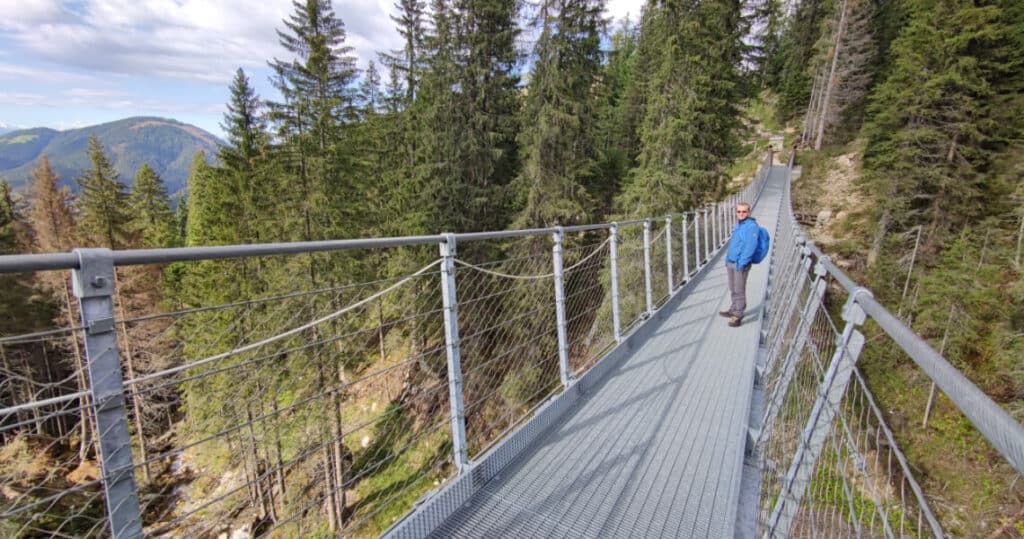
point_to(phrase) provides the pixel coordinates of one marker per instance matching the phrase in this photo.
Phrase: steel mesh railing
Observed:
(632, 282)
(587, 296)
(50, 480)
(297, 395)
(305, 389)
(830, 465)
(508, 342)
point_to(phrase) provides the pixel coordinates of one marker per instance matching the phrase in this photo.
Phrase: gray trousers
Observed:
(738, 289)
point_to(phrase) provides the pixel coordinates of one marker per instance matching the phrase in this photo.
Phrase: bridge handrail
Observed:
(998, 426)
(133, 257)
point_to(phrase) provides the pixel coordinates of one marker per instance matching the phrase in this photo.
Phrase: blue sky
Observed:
(68, 64)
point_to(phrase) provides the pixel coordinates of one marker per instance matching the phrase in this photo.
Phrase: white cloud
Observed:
(19, 14)
(22, 99)
(22, 72)
(619, 9)
(195, 40)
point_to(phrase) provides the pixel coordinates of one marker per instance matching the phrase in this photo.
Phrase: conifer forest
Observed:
(494, 115)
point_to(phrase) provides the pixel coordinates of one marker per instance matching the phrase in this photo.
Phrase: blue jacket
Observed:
(743, 244)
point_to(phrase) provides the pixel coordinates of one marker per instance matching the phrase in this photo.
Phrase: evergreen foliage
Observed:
(796, 48)
(559, 152)
(311, 120)
(103, 200)
(150, 209)
(690, 124)
(934, 126)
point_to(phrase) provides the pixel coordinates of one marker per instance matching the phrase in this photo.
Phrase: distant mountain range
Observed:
(168, 146)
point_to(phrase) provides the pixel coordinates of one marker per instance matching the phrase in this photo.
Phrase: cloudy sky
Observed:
(67, 64)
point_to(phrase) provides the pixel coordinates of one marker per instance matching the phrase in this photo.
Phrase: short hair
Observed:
(746, 204)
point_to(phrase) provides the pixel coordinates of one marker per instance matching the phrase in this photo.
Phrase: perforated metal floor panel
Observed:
(655, 447)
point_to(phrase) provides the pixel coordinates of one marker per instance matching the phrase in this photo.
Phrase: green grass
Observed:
(389, 493)
(20, 139)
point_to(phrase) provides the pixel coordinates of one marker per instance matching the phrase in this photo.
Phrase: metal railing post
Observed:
(696, 239)
(451, 339)
(93, 285)
(724, 220)
(714, 227)
(819, 425)
(686, 252)
(563, 338)
(613, 244)
(668, 253)
(707, 237)
(648, 292)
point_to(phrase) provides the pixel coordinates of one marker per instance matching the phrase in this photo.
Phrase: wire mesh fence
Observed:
(508, 339)
(308, 394)
(51, 485)
(588, 300)
(632, 280)
(830, 466)
(659, 264)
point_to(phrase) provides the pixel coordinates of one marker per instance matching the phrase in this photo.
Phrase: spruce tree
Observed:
(796, 47)
(51, 210)
(559, 149)
(152, 219)
(103, 200)
(467, 142)
(929, 152)
(312, 122)
(407, 63)
(691, 117)
(245, 164)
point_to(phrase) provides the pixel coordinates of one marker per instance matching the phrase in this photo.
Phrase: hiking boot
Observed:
(726, 314)
(735, 321)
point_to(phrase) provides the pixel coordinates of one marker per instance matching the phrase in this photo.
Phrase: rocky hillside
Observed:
(168, 146)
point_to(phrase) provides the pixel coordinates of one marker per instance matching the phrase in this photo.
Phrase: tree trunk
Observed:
(805, 134)
(831, 81)
(60, 420)
(87, 421)
(260, 501)
(330, 489)
(126, 346)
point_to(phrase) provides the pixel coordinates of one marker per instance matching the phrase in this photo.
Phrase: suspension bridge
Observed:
(582, 388)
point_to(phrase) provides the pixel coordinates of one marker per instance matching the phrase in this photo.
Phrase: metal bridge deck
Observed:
(656, 448)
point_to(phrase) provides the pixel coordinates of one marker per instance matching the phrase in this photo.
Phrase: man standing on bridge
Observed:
(738, 259)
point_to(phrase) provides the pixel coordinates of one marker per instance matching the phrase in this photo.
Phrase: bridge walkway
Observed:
(656, 447)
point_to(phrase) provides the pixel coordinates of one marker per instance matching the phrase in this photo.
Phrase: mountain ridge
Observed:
(167, 145)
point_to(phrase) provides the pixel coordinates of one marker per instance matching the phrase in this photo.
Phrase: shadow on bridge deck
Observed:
(655, 447)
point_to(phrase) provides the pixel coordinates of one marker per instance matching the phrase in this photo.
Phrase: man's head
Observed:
(742, 211)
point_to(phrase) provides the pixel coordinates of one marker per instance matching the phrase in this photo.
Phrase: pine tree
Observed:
(844, 68)
(559, 150)
(467, 143)
(246, 167)
(796, 48)
(51, 214)
(51, 210)
(691, 119)
(103, 200)
(311, 121)
(370, 96)
(623, 90)
(407, 63)
(931, 137)
(20, 309)
(152, 219)
(212, 207)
